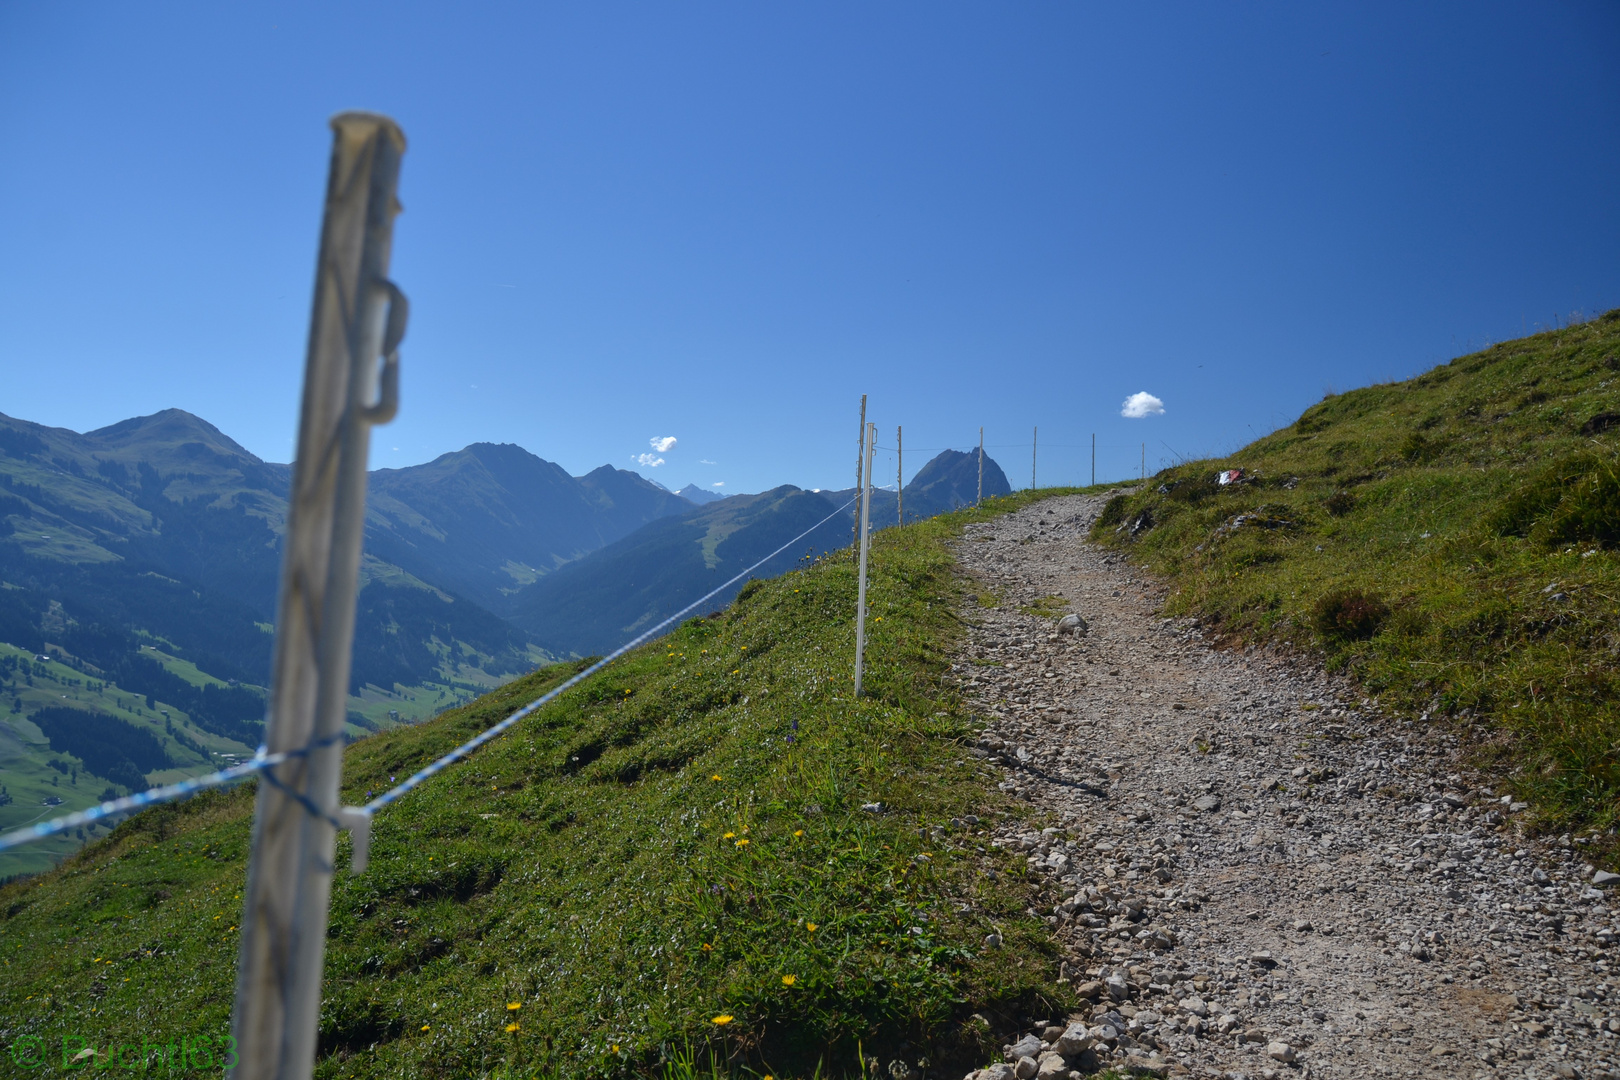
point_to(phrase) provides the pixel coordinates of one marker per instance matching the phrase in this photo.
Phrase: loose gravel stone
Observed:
(1242, 853)
(1281, 1051)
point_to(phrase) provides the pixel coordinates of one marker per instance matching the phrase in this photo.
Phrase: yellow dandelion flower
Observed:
(425, 1027)
(789, 980)
(798, 832)
(810, 926)
(511, 1027)
(707, 947)
(729, 836)
(743, 842)
(716, 776)
(615, 1048)
(723, 1019)
(514, 1006)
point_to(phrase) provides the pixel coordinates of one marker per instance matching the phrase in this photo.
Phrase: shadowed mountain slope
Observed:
(161, 525)
(487, 520)
(599, 602)
(607, 597)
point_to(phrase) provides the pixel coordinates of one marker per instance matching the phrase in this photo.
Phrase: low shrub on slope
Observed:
(670, 863)
(1454, 540)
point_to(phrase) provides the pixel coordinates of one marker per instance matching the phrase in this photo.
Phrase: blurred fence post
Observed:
(358, 317)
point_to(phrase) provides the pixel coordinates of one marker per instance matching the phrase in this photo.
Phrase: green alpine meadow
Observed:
(708, 857)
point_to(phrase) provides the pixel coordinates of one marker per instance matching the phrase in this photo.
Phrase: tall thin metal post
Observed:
(866, 540)
(358, 317)
(980, 498)
(860, 457)
(899, 477)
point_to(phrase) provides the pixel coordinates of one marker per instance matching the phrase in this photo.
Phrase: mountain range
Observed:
(700, 496)
(594, 604)
(487, 520)
(139, 565)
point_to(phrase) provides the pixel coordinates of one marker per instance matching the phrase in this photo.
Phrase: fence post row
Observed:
(358, 316)
(866, 543)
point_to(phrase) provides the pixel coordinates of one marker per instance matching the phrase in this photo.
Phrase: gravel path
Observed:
(1256, 874)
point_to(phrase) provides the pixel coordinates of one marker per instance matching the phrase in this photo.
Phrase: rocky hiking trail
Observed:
(1252, 871)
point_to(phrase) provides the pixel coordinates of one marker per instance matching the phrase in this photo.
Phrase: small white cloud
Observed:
(719, 483)
(705, 461)
(1141, 404)
(663, 445)
(652, 461)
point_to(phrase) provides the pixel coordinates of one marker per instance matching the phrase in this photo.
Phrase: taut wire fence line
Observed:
(551, 695)
(186, 788)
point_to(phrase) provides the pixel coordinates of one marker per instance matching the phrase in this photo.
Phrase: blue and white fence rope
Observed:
(171, 793)
(357, 819)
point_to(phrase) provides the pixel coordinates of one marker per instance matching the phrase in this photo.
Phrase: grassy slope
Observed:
(657, 849)
(1463, 622)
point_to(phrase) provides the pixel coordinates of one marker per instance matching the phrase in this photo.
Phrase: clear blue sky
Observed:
(724, 222)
